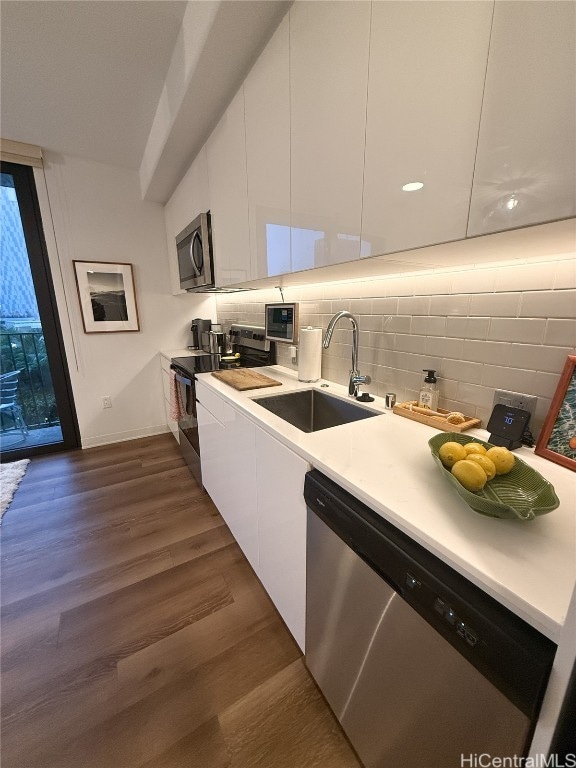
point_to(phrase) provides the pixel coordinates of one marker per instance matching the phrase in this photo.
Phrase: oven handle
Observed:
(182, 378)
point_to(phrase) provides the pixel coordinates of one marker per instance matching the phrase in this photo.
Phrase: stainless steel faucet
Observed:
(355, 378)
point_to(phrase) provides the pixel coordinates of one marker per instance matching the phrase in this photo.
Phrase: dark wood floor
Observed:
(135, 634)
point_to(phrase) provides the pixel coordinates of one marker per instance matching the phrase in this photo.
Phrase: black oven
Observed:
(195, 261)
(249, 350)
(185, 369)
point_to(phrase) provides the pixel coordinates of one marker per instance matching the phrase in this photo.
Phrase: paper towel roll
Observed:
(310, 354)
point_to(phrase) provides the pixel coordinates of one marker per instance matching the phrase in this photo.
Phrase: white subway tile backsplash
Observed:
(495, 353)
(530, 331)
(524, 277)
(549, 304)
(361, 306)
(560, 333)
(451, 348)
(414, 305)
(544, 384)
(565, 273)
(388, 306)
(450, 305)
(429, 326)
(537, 358)
(474, 281)
(409, 343)
(398, 324)
(461, 370)
(370, 322)
(467, 327)
(434, 284)
(495, 305)
(510, 327)
(474, 393)
(513, 379)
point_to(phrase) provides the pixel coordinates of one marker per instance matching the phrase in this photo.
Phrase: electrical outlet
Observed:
(516, 400)
(107, 402)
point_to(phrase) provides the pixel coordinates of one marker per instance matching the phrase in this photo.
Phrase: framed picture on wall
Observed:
(557, 440)
(107, 296)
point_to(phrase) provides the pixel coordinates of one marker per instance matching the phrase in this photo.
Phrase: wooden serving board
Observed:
(402, 409)
(245, 378)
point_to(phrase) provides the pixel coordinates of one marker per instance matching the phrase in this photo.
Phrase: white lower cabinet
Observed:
(257, 484)
(282, 530)
(227, 453)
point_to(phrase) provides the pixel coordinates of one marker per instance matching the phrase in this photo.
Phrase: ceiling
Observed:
(86, 77)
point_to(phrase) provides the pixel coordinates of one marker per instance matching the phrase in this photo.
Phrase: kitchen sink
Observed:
(311, 410)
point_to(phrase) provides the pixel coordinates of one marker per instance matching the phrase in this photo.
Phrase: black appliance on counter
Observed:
(199, 327)
(249, 350)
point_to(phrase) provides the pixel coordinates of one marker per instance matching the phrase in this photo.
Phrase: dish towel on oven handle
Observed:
(177, 409)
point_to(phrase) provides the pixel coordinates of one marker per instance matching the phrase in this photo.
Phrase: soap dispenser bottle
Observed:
(429, 393)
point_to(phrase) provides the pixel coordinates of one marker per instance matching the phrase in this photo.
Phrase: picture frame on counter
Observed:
(557, 440)
(107, 296)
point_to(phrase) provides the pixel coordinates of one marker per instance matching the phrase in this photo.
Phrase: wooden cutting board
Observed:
(245, 378)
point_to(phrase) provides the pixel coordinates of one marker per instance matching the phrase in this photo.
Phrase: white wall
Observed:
(94, 212)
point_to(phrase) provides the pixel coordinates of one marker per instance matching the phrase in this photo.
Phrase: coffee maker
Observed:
(199, 327)
(214, 341)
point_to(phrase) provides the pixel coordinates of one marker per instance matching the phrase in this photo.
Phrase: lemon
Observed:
(469, 474)
(450, 453)
(503, 459)
(484, 462)
(474, 448)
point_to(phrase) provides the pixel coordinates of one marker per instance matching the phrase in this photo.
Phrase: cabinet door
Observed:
(267, 101)
(426, 76)
(328, 79)
(282, 530)
(226, 150)
(525, 168)
(212, 435)
(239, 477)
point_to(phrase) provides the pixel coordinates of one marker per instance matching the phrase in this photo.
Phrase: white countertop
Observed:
(530, 567)
(184, 352)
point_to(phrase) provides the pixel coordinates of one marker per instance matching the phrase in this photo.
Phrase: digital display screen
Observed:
(281, 320)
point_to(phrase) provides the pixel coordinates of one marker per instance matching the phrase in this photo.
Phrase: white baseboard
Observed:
(120, 437)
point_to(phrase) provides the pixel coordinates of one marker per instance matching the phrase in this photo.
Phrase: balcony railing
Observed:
(26, 352)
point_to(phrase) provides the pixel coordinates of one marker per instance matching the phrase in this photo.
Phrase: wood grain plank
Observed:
(285, 723)
(132, 623)
(203, 748)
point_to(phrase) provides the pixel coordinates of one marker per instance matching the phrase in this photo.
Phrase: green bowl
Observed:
(522, 494)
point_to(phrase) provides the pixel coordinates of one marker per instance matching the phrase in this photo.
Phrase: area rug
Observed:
(10, 477)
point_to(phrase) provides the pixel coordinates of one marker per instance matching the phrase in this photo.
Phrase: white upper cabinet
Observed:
(525, 167)
(267, 103)
(328, 80)
(226, 149)
(426, 77)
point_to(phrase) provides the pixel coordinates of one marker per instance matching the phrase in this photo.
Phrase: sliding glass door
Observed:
(37, 412)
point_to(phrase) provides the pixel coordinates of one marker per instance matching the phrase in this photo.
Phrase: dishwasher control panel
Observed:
(441, 607)
(449, 615)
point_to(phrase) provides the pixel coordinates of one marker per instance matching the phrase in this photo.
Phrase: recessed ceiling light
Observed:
(412, 186)
(512, 202)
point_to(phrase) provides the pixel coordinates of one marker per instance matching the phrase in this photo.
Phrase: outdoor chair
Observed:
(8, 404)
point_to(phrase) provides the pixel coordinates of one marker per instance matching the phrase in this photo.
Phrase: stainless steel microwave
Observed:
(195, 257)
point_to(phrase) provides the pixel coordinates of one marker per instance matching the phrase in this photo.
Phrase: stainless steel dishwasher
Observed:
(421, 668)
